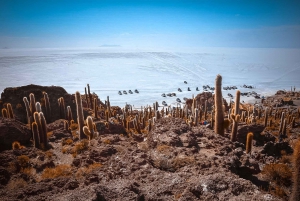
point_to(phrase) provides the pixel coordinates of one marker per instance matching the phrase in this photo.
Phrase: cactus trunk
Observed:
(219, 117)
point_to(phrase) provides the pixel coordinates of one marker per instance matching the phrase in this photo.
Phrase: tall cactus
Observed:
(236, 112)
(4, 113)
(47, 107)
(90, 95)
(249, 142)
(296, 173)
(10, 111)
(86, 98)
(36, 138)
(95, 108)
(37, 120)
(219, 116)
(44, 132)
(62, 110)
(38, 107)
(281, 122)
(266, 118)
(69, 114)
(80, 118)
(32, 103)
(29, 114)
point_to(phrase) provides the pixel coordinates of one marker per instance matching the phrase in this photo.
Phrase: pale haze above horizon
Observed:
(149, 24)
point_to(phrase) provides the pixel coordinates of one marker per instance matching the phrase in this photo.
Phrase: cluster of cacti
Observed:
(8, 112)
(30, 107)
(89, 130)
(39, 130)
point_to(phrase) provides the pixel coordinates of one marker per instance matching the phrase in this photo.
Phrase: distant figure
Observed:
(178, 100)
(189, 89)
(124, 92)
(136, 91)
(120, 93)
(197, 89)
(185, 82)
(179, 90)
(163, 95)
(130, 92)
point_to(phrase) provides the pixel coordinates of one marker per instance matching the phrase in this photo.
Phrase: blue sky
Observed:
(139, 24)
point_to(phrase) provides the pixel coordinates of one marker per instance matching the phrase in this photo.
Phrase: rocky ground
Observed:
(174, 161)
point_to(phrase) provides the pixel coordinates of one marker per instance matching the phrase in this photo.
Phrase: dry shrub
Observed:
(48, 154)
(86, 170)
(64, 150)
(67, 141)
(278, 191)
(285, 159)
(23, 161)
(58, 171)
(279, 173)
(16, 145)
(106, 141)
(17, 183)
(163, 148)
(73, 126)
(80, 146)
(49, 134)
(29, 171)
(18, 106)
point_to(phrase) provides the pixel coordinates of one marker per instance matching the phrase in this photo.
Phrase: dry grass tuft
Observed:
(81, 172)
(278, 173)
(16, 145)
(67, 141)
(73, 126)
(18, 183)
(23, 161)
(48, 154)
(58, 171)
(163, 148)
(80, 147)
(106, 141)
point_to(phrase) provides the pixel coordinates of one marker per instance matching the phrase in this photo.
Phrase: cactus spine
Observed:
(80, 118)
(236, 112)
(219, 117)
(296, 175)
(249, 142)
